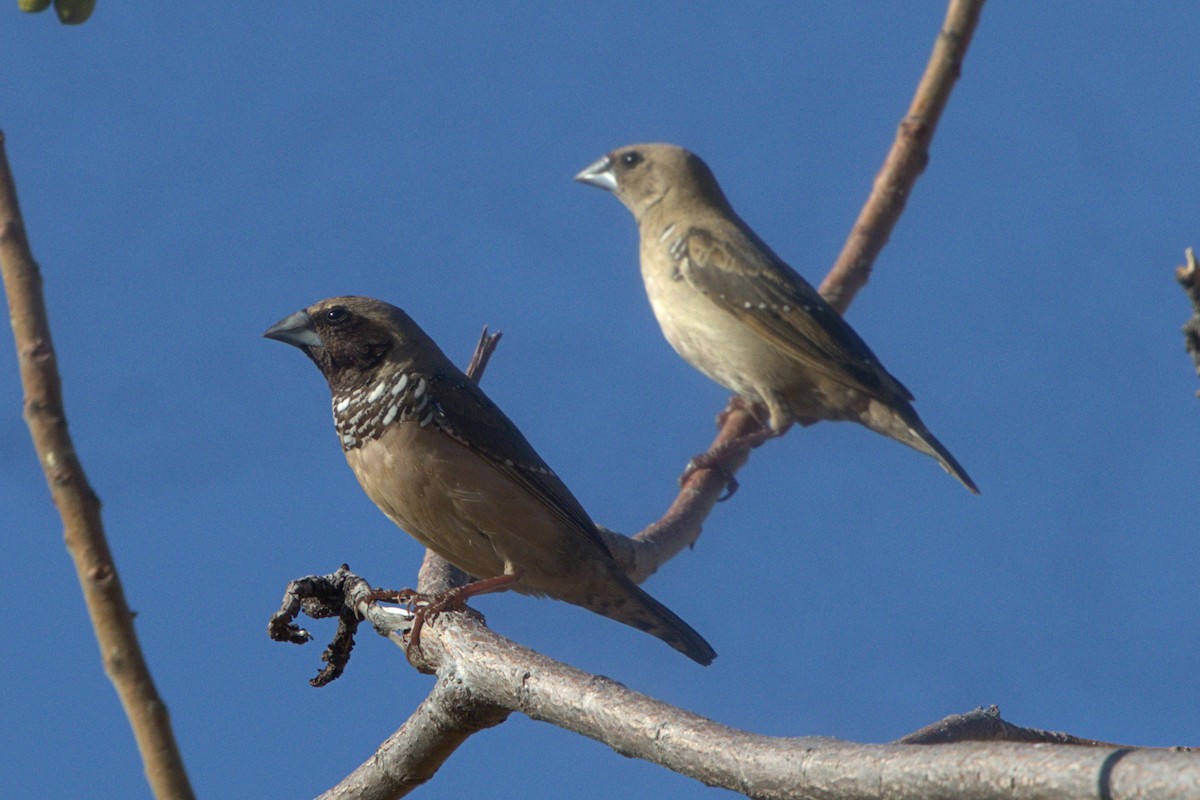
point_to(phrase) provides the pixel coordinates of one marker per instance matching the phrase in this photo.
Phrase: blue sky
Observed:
(189, 175)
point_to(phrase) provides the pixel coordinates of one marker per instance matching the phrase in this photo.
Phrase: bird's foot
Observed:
(427, 607)
(402, 597)
(419, 604)
(716, 458)
(706, 461)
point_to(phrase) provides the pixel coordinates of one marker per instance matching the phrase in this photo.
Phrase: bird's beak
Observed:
(599, 174)
(295, 330)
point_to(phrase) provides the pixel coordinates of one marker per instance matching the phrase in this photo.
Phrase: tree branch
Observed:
(482, 677)
(409, 757)
(1189, 278)
(78, 504)
(907, 158)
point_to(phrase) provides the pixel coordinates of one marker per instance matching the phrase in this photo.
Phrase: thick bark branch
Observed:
(79, 506)
(445, 719)
(483, 676)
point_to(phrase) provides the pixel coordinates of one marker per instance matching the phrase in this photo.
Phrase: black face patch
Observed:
(353, 344)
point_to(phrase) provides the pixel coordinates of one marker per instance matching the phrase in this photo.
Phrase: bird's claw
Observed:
(736, 403)
(707, 461)
(421, 607)
(731, 486)
(404, 597)
(424, 608)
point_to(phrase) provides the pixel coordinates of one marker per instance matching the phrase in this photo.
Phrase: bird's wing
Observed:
(746, 279)
(480, 425)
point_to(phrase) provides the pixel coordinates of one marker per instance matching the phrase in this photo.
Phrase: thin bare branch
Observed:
(985, 725)
(642, 555)
(79, 506)
(412, 755)
(907, 158)
(487, 344)
(1189, 278)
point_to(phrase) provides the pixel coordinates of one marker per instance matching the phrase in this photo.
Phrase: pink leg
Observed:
(715, 457)
(430, 606)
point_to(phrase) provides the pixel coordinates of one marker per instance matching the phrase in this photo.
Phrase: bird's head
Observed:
(351, 339)
(643, 175)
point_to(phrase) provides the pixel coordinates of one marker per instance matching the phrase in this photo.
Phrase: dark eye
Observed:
(337, 315)
(631, 159)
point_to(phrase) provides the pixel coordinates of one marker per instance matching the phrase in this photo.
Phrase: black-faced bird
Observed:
(444, 463)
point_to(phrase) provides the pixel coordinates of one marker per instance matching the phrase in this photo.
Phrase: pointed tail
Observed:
(928, 443)
(901, 422)
(636, 608)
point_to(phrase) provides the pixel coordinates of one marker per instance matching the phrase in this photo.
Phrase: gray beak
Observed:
(295, 330)
(599, 174)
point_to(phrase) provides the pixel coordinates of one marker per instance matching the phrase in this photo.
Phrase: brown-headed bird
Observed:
(735, 311)
(446, 465)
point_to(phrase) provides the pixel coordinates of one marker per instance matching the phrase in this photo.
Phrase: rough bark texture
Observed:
(482, 677)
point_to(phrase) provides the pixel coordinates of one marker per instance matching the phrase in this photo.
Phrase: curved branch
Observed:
(986, 757)
(412, 755)
(642, 554)
(79, 506)
(907, 158)
(1188, 276)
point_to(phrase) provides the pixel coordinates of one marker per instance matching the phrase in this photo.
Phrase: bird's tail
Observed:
(903, 425)
(637, 609)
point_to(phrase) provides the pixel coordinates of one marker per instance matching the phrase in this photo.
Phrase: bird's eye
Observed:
(337, 315)
(631, 159)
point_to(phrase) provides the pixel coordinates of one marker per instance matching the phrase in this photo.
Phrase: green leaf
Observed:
(74, 12)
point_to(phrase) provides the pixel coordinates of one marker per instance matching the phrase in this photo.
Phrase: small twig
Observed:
(1189, 279)
(487, 344)
(79, 506)
(985, 725)
(321, 596)
(907, 158)
(642, 554)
